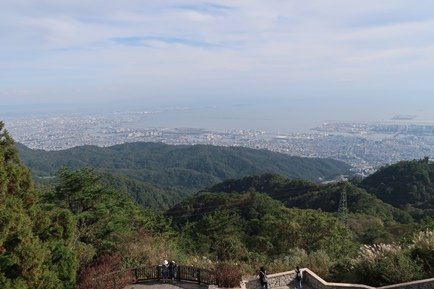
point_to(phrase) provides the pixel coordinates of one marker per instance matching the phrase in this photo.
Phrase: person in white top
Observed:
(165, 271)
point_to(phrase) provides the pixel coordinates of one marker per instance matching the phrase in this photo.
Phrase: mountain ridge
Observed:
(179, 170)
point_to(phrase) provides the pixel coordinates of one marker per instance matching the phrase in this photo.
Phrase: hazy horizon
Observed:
(276, 116)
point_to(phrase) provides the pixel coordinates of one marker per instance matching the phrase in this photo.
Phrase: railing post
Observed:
(198, 275)
(136, 275)
(178, 271)
(158, 273)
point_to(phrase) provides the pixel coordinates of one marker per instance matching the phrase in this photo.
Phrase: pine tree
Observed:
(34, 249)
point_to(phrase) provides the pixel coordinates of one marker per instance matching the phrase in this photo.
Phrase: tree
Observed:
(98, 211)
(34, 251)
(220, 234)
(104, 217)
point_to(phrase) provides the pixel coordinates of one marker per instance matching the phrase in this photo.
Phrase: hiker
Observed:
(263, 278)
(165, 271)
(298, 277)
(172, 270)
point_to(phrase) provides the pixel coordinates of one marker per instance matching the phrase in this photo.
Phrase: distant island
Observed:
(403, 117)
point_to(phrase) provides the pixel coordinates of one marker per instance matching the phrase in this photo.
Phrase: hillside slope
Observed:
(185, 169)
(406, 184)
(370, 219)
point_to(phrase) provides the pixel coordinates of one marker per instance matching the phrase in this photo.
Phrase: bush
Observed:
(383, 264)
(287, 262)
(99, 274)
(228, 276)
(320, 263)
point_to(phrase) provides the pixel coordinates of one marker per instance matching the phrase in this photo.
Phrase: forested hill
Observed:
(406, 184)
(219, 163)
(366, 213)
(180, 170)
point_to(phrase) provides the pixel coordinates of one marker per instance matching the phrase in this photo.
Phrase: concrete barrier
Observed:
(314, 281)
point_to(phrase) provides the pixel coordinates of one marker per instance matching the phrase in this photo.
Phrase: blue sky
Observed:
(76, 51)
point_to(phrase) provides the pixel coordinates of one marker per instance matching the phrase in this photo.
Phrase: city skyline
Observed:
(189, 52)
(364, 146)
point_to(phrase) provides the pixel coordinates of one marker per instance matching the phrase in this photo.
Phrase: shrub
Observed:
(228, 276)
(384, 264)
(422, 250)
(424, 240)
(287, 262)
(99, 274)
(320, 262)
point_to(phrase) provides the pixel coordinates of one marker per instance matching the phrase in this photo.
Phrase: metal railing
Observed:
(184, 273)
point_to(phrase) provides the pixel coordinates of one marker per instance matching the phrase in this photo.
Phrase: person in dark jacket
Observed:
(172, 270)
(298, 277)
(263, 278)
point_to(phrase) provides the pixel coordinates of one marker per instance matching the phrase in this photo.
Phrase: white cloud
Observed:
(52, 46)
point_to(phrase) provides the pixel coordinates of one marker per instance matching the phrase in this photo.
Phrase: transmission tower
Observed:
(343, 209)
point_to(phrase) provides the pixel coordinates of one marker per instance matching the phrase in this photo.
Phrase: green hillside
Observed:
(370, 219)
(160, 175)
(407, 184)
(239, 226)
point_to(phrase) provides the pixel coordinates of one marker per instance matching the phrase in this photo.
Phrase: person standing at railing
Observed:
(172, 270)
(165, 271)
(298, 277)
(263, 278)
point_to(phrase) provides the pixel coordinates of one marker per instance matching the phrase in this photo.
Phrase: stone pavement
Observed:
(291, 286)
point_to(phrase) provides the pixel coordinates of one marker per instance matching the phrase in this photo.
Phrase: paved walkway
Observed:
(291, 287)
(161, 285)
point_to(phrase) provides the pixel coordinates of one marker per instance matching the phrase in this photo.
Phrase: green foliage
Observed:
(157, 197)
(159, 176)
(320, 231)
(268, 210)
(268, 229)
(102, 215)
(370, 219)
(220, 235)
(384, 264)
(246, 227)
(34, 242)
(289, 259)
(422, 249)
(320, 262)
(406, 183)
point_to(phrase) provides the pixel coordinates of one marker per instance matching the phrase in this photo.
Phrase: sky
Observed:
(76, 51)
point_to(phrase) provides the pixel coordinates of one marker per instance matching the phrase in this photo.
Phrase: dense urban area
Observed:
(365, 146)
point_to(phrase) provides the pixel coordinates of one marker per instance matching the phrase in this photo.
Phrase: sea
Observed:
(293, 116)
(274, 116)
